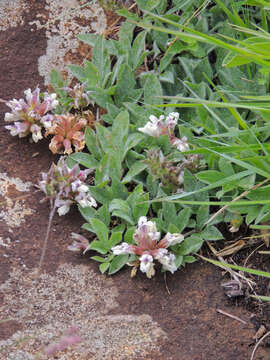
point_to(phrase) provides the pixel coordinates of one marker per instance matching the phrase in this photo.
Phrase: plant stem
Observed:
(44, 248)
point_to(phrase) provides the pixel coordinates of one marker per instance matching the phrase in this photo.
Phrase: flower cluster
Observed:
(80, 97)
(68, 131)
(71, 337)
(161, 168)
(80, 243)
(149, 247)
(66, 186)
(30, 115)
(165, 126)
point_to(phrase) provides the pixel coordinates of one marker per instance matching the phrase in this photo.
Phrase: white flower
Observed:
(28, 95)
(64, 209)
(148, 227)
(146, 261)
(152, 127)
(10, 117)
(180, 178)
(181, 144)
(36, 133)
(171, 120)
(83, 188)
(85, 202)
(47, 121)
(168, 262)
(18, 128)
(173, 239)
(50, 99)
(75, 185)
(124, 248)
(161, 253)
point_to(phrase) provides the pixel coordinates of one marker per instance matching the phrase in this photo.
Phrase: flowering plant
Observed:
(66, 186)
(68, 131)
(30, 115)
(165, 126)
(149, 247)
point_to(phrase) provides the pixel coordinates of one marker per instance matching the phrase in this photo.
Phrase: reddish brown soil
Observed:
(188, 315)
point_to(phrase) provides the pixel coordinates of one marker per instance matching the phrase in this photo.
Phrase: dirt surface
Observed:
(118, 317)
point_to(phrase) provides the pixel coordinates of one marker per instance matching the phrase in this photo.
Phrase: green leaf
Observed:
(152, 90)
(169, 214)
(135, 169)
(56, 79)
(103, 267)
(103, 170)
(99, 247)
(102, 193)
(89, 39)
(119, 204)
(147, 5)
(120, 131)
(183, 218)
(132, 140)
(99, 259)
(137, 49)
(189, 259)
(87, 212)
(115, 238)
(124, 216)
(100, 58)
(92, 143)
(78, 72)
(210, 176)
(84, 159)
(105, 139)
(104, 215)
(202, 216)
(100, 230)
(92, 74)
(141, 207)
(129, 234)
(211, 233)
(173, 229)
(176, 48)
(232, 60)
(192, 244)
(117, 263)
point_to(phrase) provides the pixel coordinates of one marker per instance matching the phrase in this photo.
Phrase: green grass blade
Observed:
(236, 267)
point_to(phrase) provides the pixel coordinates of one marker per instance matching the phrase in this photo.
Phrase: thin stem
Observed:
(44, 248)
(257, 345)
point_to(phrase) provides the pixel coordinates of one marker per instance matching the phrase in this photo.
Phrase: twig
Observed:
(165, 280)
(248, 257)
(257, 345)
(231, 316)
(237, 198)
(44, 248)
(233, 273)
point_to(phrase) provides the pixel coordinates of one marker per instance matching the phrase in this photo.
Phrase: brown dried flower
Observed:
(68, 131)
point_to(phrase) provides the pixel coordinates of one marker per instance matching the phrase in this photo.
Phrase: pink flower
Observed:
(81, 244)
(28, 115)
(70, 337)
(66, 186)
(68, 131)
(149, 247)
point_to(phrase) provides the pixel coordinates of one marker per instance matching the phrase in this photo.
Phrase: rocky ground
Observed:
(118, 317)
